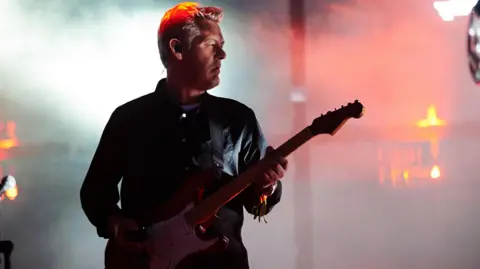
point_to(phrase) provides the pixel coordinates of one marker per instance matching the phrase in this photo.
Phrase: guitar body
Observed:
(171, 243)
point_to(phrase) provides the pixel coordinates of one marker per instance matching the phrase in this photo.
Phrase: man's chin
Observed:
(211, 84)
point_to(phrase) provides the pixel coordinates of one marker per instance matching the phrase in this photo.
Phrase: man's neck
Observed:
(181, 93)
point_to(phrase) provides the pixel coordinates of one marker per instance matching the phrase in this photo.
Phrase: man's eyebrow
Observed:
(221, 40)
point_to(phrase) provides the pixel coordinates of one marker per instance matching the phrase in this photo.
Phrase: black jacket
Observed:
(154, 146)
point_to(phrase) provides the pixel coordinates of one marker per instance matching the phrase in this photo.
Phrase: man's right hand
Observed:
(120, 228)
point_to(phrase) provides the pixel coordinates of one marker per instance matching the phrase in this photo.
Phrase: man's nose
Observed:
(221, 54)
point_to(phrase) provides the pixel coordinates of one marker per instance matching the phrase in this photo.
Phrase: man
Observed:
(156, 142)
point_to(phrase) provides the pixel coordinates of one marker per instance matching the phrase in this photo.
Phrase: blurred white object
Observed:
(8, 182)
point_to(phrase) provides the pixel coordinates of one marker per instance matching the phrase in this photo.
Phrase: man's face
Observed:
(202, 62)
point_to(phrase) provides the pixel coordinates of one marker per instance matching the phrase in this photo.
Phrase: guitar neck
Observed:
(211, 204)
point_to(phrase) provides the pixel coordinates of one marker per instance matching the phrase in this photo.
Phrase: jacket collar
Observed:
(160, 92)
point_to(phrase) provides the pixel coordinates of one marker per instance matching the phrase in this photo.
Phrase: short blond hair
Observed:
(182, 22)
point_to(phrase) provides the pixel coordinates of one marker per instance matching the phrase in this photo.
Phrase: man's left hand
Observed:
(271, 169)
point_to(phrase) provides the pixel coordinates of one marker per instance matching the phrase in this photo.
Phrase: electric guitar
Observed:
(178, 228)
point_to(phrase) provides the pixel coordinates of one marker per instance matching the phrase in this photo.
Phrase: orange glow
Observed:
(12, 193)
(404, 167)
(431, 119)
(11, 141)
(177, 14)
(7, 143)
(406, 177)
(435, 173)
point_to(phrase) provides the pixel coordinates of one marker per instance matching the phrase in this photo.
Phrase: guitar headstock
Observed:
(332, 121)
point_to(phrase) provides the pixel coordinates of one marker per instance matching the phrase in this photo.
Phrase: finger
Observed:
(274, 156)
(272, 177)
(283, 162)
(265, 180)
(270, 149)
(267, 177)
(279, 171)
(275, 171)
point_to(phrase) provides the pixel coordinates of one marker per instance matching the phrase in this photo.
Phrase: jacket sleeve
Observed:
(253, 149)
(99, 194)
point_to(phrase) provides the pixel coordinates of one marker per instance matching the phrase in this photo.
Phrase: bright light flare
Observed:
(450, 9)
(435, 172)
(12, 193)
(432, 119)
(11, 139)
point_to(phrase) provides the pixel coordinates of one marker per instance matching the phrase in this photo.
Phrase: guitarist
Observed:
(157, 142)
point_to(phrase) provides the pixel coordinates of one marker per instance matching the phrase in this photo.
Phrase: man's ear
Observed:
(175, 48)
